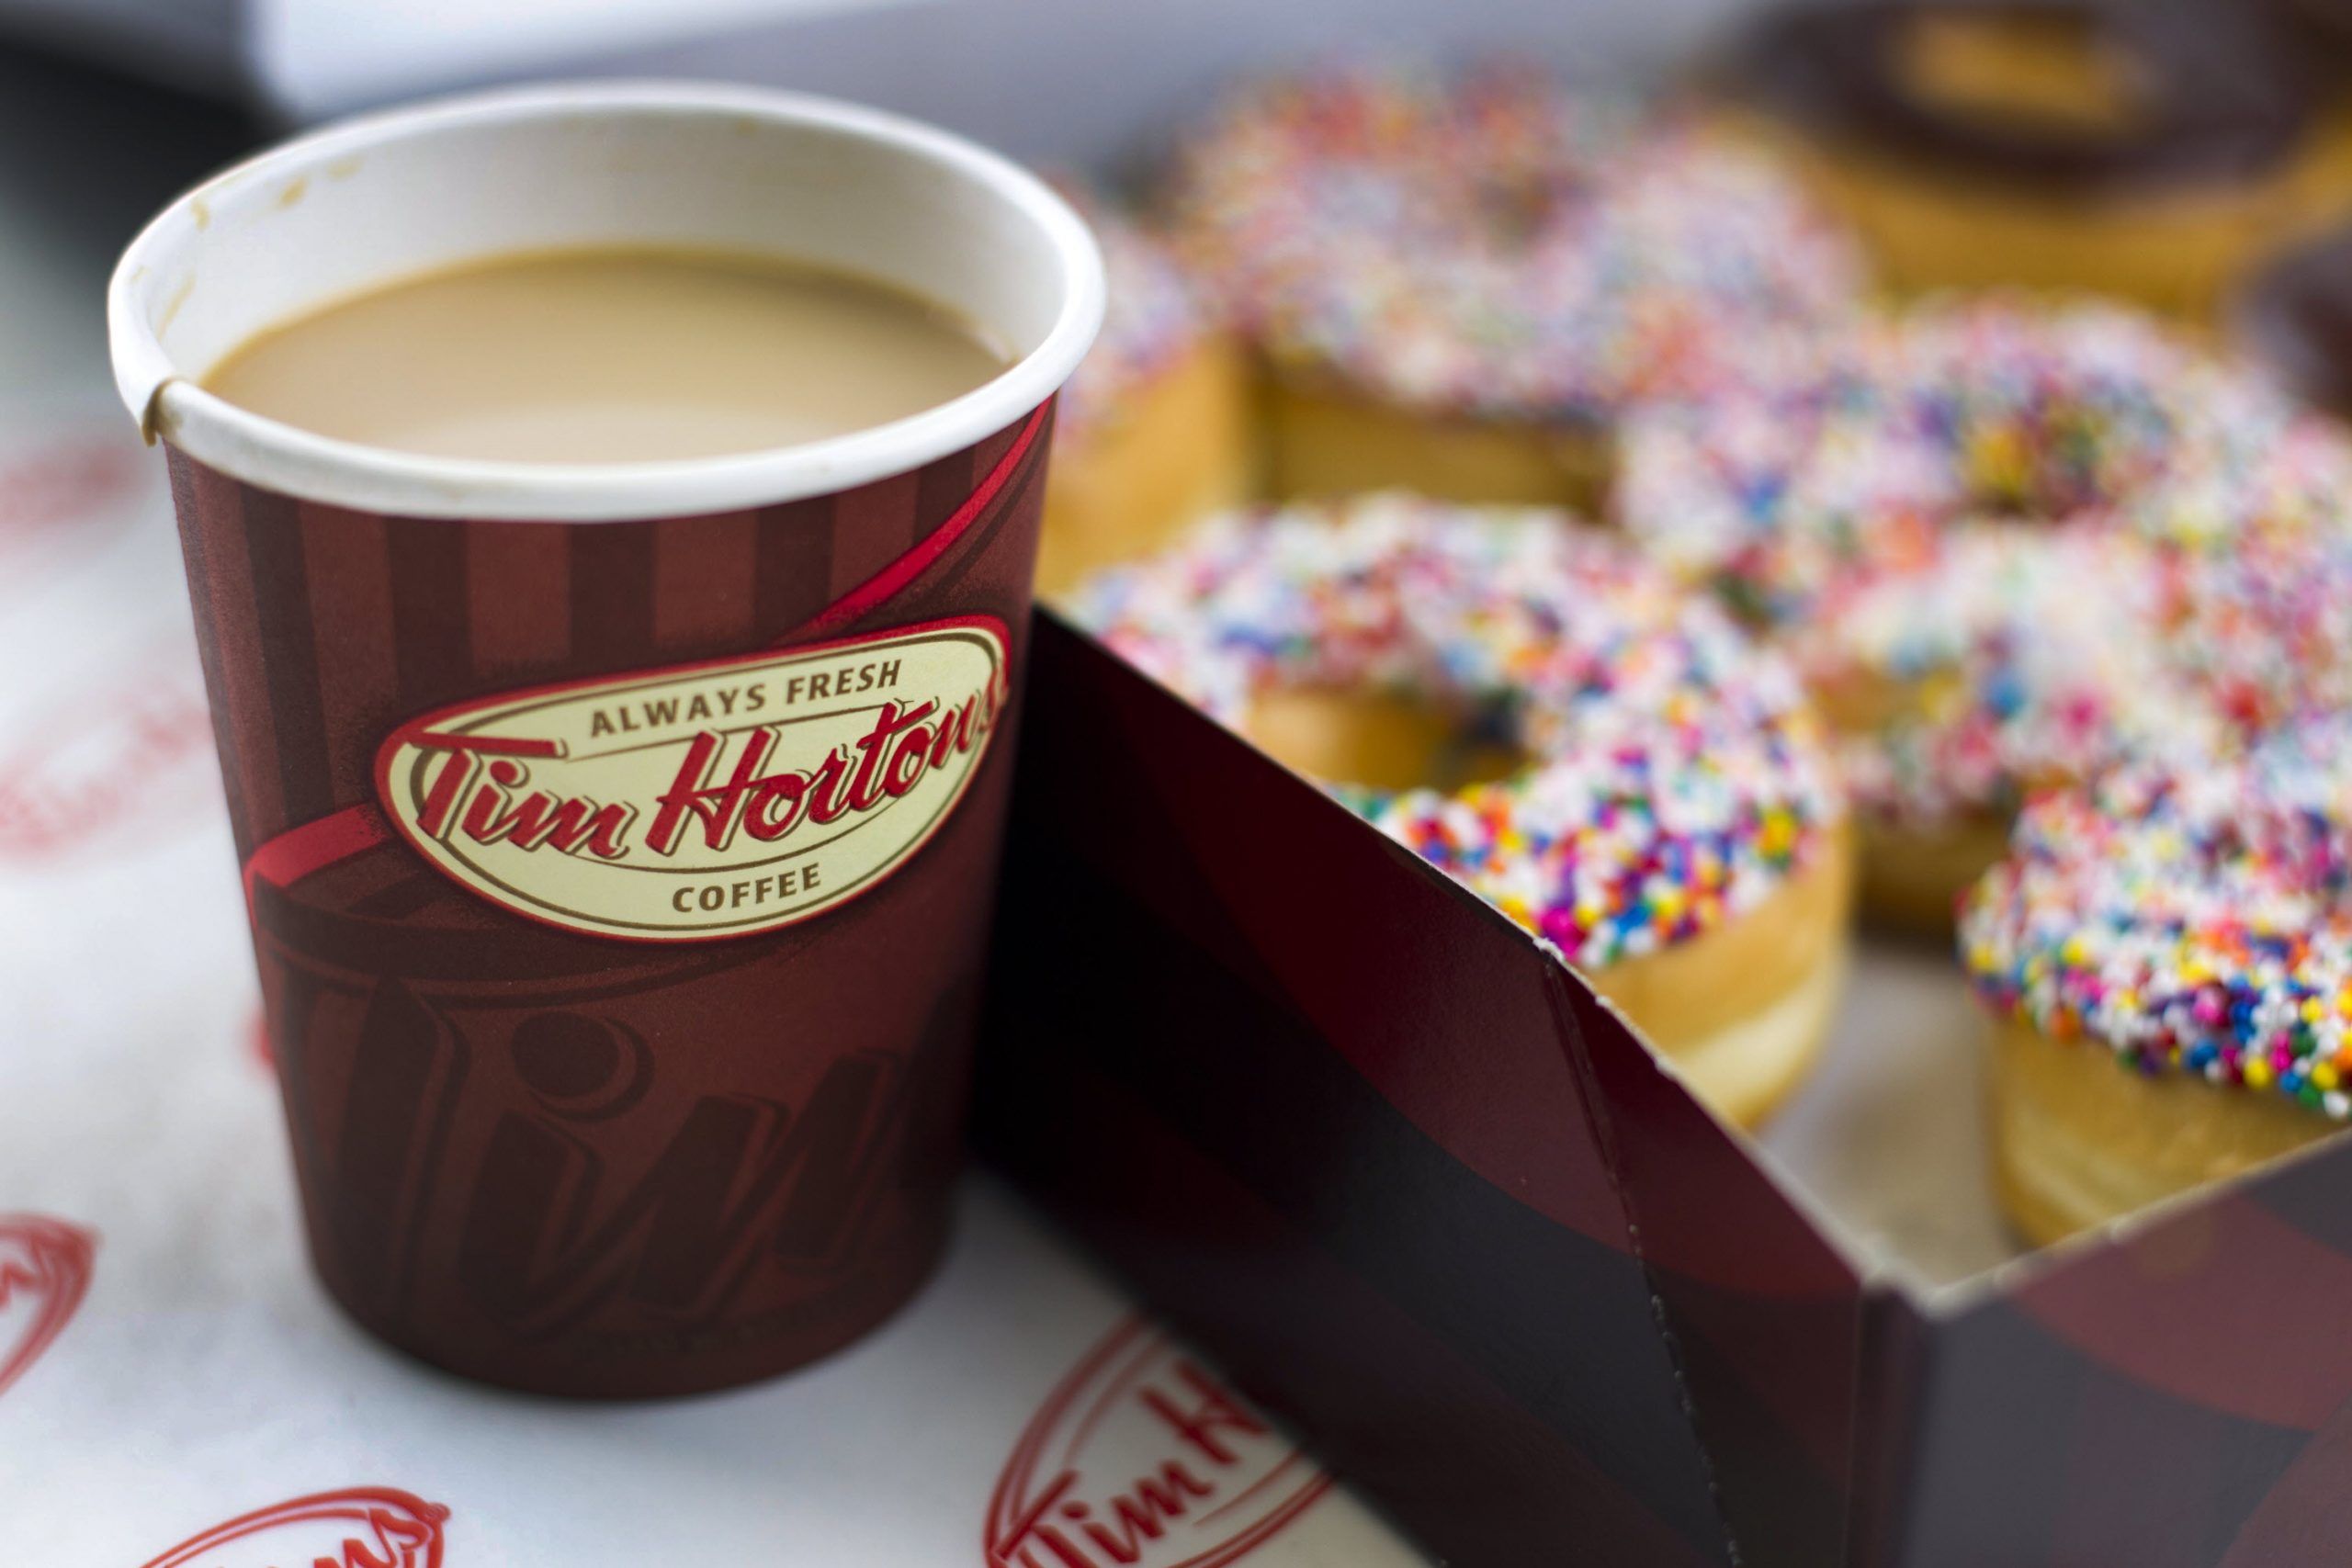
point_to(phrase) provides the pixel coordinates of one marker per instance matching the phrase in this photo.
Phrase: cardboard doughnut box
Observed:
(1429, 1199)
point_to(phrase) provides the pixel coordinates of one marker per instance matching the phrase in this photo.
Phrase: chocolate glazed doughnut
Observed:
(2147, 148)
(2326, 23)
(2296, 317)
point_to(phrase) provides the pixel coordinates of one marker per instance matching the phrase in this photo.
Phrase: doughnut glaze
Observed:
(2194, 93)
(2154, 149)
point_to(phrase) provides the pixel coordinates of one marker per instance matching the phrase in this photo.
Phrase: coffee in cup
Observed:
(599, 355)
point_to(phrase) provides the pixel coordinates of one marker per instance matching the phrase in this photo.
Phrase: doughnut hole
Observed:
(1516, 208)
(2003, 66)
(2036, 473)
(1388, 741)
(2009, 660)
(1912, 873)
(1323, 441)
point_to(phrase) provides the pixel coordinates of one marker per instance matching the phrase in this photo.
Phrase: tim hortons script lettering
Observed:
(1142, 1458)
(706, 800)
(553, 1235)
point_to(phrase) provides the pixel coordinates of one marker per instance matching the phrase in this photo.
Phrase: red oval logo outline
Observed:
(48, 1261)
(403, 1531)
(674, 771)
(1211, 1480)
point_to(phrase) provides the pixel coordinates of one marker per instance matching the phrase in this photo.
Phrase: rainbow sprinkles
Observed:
(2058, 533)
(1676, 778)
(2192, 920)
(1496, 244)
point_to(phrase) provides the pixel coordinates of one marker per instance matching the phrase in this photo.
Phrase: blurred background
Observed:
(108, 106)
(1054, 78)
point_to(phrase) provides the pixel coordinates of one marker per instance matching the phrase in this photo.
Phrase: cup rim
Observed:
(168, 403)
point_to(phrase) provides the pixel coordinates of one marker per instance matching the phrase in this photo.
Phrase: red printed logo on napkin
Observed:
(66, 486)
(44, 1272)
(706, 800)
(366, 1526)
(1143, 1459)
(127, 756)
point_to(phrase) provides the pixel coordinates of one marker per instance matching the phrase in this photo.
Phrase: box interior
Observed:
(1885, 1143)
(1887, 1137)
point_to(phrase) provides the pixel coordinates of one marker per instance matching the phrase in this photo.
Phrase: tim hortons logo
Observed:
(366, 1527)
(706, 800)
(552, 1237)
(44, 1272)
(595, 1209)
(1141, 1457)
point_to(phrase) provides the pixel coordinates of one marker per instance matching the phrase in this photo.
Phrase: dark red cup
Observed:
(619, 840)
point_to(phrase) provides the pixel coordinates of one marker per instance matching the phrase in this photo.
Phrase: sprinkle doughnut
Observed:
(2192, 920)
(1458, 282)
(1669, 823)
(1151, 431)
(2006, 544)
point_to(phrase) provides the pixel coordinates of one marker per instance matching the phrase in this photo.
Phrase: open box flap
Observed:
(1890, 1378)
(1331, 1114)
(1764, 1311)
